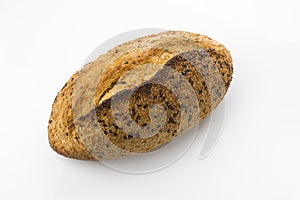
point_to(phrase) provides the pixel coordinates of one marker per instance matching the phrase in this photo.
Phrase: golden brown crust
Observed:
(63, 136)
(114, 71)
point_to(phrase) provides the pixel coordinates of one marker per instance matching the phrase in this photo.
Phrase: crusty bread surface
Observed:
(185, 74)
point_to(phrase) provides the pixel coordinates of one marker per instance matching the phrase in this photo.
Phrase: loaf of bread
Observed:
(139, 96)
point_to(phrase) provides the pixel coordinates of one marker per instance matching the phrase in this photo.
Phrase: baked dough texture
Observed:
(139, 95)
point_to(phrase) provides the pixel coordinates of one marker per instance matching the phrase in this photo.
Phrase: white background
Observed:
(43, 43)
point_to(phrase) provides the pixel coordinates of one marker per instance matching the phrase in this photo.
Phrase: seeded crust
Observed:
(123, 71)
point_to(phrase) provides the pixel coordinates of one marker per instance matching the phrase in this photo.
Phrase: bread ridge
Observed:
(63, 136)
